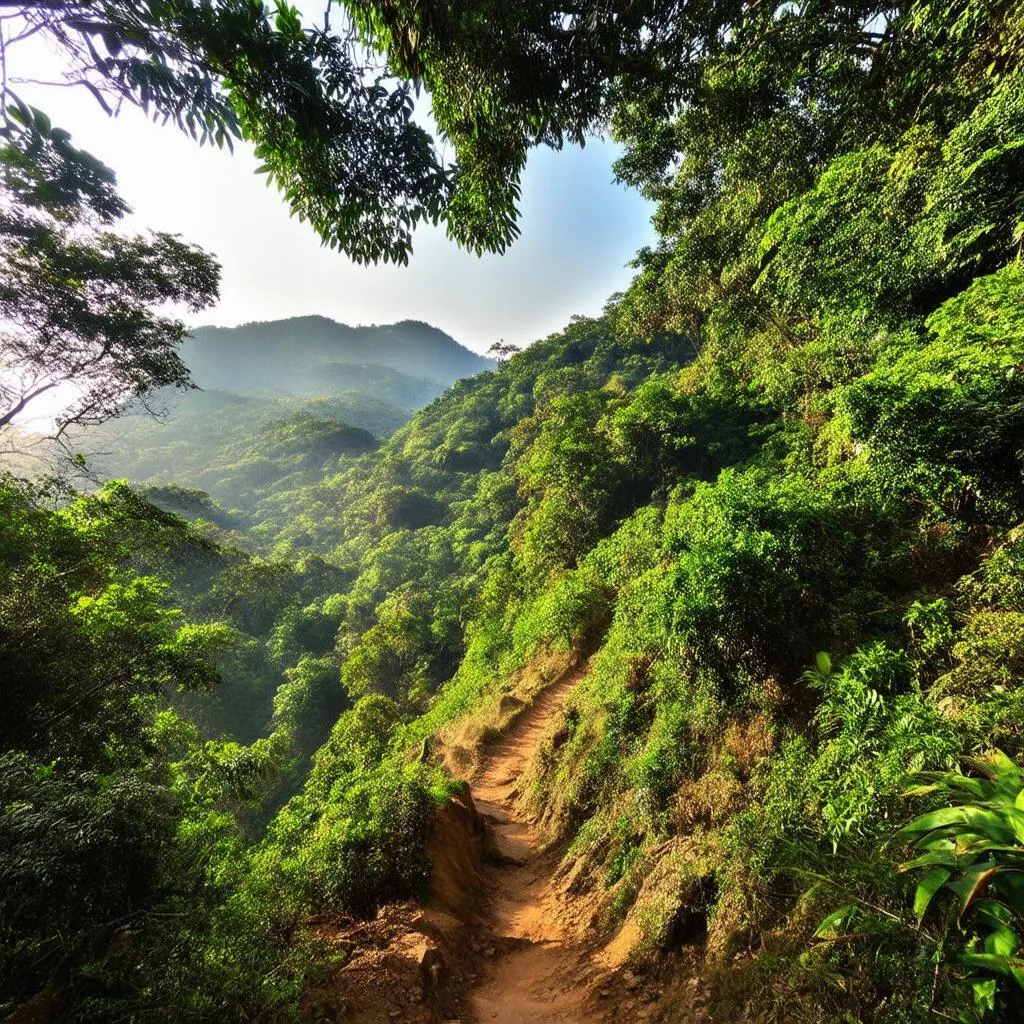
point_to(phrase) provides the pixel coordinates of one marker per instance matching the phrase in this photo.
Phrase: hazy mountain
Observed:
(304, 355)
(280, 404)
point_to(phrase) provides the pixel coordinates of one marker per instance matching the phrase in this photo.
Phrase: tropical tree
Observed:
(339, 143)
(83, 306)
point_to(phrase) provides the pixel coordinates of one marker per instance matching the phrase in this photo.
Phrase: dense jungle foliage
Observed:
(774, 495)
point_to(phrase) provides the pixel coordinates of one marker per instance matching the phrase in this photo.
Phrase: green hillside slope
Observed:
(284, 355)
(763, 520)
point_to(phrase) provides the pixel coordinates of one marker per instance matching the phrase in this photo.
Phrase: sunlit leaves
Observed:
(84, 308)
(40, 168)
(980, 837)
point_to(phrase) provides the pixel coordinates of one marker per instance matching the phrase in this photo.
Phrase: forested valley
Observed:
(759, 526)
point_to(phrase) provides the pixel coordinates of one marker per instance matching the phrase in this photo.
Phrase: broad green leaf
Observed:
(993, 912)
(946, 859)
(932, 882)
(931, 821)
(1002, 768)
(987, 961)
(978, 886)
(969, 842)
(1002, 941)
(990, 824)
(835, 922)
(976, 787)
(936, 843)
(1011, 887)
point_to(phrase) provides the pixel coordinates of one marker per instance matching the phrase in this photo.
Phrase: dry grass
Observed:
(722, 790)
(459, 746)
(672, 905)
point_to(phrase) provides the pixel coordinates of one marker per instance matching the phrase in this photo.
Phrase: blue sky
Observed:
(578, 232)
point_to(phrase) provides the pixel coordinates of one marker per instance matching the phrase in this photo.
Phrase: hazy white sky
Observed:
(578, 231)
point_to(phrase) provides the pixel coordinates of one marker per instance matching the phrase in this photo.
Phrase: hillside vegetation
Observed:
(290, 355)
(769, 504)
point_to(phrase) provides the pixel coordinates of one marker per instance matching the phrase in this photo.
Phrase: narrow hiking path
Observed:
(503, 937)
(535, 973)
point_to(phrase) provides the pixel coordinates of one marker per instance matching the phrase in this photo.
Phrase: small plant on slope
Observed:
(973, 850)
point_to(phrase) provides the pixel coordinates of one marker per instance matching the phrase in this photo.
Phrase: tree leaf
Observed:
(947, 859)
(931, 821)
(987, 961)
(836, 922)
(1002, 941)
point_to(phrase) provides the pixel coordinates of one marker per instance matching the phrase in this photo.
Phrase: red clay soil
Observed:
(534, 972)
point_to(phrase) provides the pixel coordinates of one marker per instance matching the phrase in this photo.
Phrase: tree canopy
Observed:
(81, 304)
(332, 131)
(329, 108)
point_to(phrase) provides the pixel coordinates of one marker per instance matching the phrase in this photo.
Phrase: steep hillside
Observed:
(239, 449)
(672, 670)
(775, 495)
(791, 602)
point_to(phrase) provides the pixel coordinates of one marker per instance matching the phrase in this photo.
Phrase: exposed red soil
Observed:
(536, 973)
(496, 942)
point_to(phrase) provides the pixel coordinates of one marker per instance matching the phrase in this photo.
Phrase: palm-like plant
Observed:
(974, 850)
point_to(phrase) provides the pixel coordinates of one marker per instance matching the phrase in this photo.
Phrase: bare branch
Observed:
(22, 403)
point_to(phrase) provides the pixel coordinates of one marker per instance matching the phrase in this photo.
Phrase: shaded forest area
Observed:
(774, 494)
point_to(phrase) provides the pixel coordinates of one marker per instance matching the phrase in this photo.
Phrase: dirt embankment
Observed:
(495, 942)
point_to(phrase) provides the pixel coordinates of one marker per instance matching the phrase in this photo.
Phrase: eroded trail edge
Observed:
(535, 972)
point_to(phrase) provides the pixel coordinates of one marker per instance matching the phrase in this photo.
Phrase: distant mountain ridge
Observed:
(282, 403)
(286, 355)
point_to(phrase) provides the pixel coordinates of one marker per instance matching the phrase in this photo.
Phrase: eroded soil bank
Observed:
(497, 942)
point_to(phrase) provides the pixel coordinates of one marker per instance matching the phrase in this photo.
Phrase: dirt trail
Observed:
(535, 974)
